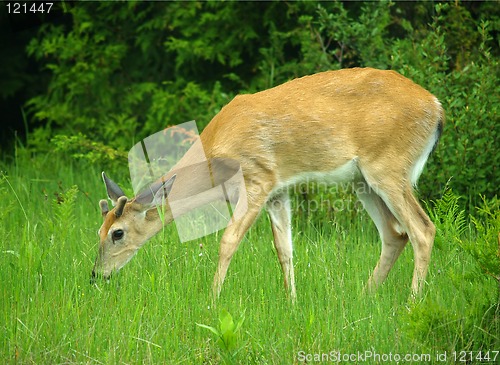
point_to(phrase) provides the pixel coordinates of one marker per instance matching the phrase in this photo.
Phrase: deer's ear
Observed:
(112, 188)
(155, 194)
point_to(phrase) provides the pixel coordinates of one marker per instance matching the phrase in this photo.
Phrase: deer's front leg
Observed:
(279, 212)
(231, 239)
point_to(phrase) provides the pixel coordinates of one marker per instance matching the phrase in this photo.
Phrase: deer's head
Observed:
(128, 225)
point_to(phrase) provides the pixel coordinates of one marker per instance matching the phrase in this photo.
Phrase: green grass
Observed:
(147, 314)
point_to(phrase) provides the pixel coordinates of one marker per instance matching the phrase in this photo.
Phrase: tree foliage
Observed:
(121, 71)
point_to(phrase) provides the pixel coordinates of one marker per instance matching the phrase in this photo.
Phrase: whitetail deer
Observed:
(372, 127)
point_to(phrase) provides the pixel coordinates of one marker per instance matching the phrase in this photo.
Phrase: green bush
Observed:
(120, 72)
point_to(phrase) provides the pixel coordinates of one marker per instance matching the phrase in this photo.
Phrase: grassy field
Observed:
(148, 313)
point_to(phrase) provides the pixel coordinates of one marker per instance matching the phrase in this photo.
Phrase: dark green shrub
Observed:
(120, 72)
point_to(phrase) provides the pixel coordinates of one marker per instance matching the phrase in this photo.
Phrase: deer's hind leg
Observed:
(410, 218)
(393, 238)
(278, 208)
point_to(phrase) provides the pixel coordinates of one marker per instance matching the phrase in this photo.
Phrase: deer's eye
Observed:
(117, 235)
